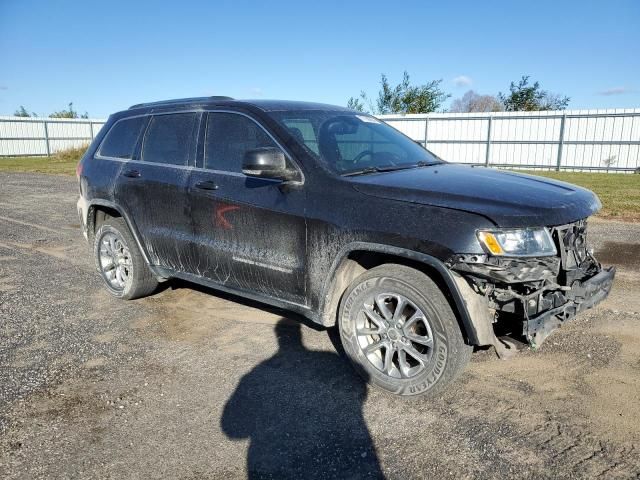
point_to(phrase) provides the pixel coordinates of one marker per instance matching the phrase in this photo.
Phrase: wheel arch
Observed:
(106, 209)
(356, 258)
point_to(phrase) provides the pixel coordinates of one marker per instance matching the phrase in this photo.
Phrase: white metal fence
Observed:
(20, 136)
(572, 139)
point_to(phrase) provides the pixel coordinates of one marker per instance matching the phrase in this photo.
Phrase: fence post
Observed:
(488, 151)
(426, 130)
(91, 129)
(561, 142)
(46, 138)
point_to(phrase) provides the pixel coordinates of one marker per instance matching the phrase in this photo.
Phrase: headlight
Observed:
(527, 242)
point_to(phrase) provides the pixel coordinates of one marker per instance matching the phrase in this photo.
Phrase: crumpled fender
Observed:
(480, 316)
(475, 323)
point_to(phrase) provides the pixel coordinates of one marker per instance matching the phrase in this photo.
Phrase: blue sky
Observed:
(105, 56)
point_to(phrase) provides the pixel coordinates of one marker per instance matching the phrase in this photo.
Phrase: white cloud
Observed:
(616, 91)
(462, 81)
(257, 91)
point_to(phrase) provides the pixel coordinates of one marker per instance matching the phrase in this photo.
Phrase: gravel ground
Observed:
(193, 384)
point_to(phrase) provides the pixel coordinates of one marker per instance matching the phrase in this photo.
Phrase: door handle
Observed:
(206, 185)
(131, 173)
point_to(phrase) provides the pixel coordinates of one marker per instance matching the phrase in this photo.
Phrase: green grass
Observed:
(61, 163)
(619, 193)
(38, 165)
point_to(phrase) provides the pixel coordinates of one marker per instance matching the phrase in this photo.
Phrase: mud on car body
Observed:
(335, 215)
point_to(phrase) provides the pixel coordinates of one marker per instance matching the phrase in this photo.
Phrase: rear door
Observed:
(152, 188)
(250, 233)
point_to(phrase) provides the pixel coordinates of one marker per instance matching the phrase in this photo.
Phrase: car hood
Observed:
(508, 199)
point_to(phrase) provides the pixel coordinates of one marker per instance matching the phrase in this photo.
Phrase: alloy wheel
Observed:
(115, 261)
(394, 335)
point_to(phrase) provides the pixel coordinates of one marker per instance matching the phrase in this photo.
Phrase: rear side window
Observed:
(122, 138)
(170, 139)
(229, 137)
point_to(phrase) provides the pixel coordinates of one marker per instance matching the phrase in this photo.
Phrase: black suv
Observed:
(336, 215)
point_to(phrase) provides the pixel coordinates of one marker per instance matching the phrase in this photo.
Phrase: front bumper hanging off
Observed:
(527, 298)
(582, 296)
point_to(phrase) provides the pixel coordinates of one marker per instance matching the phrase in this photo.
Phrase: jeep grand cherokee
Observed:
(335, 215)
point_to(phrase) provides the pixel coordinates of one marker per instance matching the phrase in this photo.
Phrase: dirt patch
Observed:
(620, 253)
(185, 314)
(585, 376)
(615, 403)
(6, 286)
(67, 253)
(106, 337)
(586, 372)
(95, 362)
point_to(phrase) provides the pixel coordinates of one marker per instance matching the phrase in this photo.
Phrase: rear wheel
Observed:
(399, 331)
(120, 263)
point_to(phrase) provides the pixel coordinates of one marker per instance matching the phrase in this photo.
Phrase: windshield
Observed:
(351, 143)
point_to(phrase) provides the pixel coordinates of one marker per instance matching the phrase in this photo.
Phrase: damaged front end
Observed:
(526, 298)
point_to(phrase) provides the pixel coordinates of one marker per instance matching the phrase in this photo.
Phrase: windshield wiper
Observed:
(364, 171)
(368, 170)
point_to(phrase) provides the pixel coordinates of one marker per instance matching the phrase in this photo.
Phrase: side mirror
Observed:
(266, 162)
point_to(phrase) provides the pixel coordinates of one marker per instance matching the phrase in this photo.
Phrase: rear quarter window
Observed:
(121, 140)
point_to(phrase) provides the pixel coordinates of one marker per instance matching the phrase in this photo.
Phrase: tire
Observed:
(114, 246)
(420, 350)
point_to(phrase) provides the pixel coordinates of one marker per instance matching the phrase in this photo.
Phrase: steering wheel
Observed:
(363, 154)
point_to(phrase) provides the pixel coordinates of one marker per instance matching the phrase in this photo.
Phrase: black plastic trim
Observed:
(438, 265)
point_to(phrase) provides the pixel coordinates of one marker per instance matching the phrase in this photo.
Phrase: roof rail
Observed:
(179, 101)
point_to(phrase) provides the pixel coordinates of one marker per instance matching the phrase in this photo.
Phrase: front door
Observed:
(250, 233)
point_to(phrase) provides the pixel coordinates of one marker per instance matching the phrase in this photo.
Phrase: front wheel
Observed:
(400, 332)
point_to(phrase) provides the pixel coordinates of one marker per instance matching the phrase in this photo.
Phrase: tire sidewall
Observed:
(104, 229)
(352, 303)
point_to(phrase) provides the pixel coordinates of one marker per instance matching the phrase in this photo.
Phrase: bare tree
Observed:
(474, 102)
(610, 161)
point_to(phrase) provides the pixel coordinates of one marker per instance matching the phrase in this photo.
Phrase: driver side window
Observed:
(228, 137)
